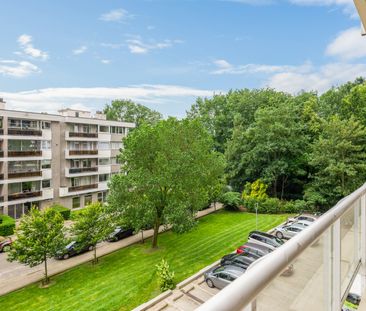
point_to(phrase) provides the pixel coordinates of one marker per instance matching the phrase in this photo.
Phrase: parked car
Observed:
(119, 234)
(289, 231)
(304, 223)
(266, 239)
(238, 260)
(222, 276)
(254, 249)
(307, 217)
(354, 298)
(5, 244)
(72, 249)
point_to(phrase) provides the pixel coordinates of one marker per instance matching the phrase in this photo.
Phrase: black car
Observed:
(119, 234)
(238, 260)
(354, 298)
(72, 249)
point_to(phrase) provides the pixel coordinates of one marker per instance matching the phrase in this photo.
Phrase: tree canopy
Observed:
(168, 174)
(128, 111)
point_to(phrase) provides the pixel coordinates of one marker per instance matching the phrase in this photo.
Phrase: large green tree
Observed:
(39, 236)
(339, 160)
(168, 174)
(272, 148)
(128, 111)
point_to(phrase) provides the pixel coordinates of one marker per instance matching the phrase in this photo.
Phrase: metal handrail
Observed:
(246, 288)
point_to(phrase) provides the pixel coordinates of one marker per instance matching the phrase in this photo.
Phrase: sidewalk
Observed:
(14, 275)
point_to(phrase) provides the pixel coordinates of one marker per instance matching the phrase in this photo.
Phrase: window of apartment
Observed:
(116, 145)
(75, 202)
(86, 128)
(113, 129)
(46, 145)
(75, 163)
(103, 129)
(103, 177)
(46, 164)
(46, 183)
(88, 200)
(29, 124)
(75, 182)
(23, 145)
(77, 114)
(104, 161)
(103, 146)
(14, 123)
(87, 163)
(26, 186)
(102, 196)
(23, 166)
(46, 125)
(1, 125)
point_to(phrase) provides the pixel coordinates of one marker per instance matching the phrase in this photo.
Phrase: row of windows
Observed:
(88, 180)
(88, 199)
(29, 145)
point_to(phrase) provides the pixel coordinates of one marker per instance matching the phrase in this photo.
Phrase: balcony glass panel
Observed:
(306, 288)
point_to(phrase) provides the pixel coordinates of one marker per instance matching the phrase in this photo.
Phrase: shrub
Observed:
(7, 225)
(231, 200)
(65, 212)
(297, 206)
(265, 206)
(255, 190)
(166, 277)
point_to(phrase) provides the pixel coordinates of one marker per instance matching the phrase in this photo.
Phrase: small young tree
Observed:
(166, 277)
(38, 237)
(91, 226)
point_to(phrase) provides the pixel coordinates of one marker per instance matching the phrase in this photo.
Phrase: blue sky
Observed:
(165, 53)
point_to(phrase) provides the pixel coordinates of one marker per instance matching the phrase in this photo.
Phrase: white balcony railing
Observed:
(326, 257)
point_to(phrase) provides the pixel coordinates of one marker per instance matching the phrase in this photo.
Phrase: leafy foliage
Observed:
(39, 236)
(256, 190)
(64, 211)
(7, 225)
(231, 200)
(128, 111)
(168, 174)
(92, 225)
(166, 277)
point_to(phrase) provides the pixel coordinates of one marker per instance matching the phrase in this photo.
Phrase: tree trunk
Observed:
(95, 255)
(156, 232)
(46, 279)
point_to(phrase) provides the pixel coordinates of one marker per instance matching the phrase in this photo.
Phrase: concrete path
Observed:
(14, 275)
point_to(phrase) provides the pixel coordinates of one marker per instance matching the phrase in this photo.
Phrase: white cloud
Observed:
(117, 15)
(317, 79)
(224, 67)
(95, 98)
(80, 50)
(347, 5)
(25, 42)
(105, 61)
(18, 69)
(137, 46)
(348, 45)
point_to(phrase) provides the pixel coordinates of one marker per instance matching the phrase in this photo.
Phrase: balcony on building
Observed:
(21, 127)
(24, 148)
(78, 148)
(83, 183)
(24, 169)
(24, 190)
(81, 131)
(77, 170)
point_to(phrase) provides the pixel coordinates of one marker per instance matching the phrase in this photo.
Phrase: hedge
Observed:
(7, 225)
(65, 212)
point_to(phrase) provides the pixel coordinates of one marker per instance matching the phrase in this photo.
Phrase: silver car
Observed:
(289, 231)
(222, 276)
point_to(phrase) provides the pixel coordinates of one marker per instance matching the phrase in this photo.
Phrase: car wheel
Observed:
(91, 247)
(279, 235)
(210, 283)
(66, 256)
(6, 248)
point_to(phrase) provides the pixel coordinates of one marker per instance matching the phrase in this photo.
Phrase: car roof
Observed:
(258, 246)
(262, 233)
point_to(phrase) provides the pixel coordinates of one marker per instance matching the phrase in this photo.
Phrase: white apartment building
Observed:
(66, 158)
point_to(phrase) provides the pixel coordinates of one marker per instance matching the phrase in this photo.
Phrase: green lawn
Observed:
(126, 278)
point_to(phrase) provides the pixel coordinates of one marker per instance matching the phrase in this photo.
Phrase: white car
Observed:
(288, 231)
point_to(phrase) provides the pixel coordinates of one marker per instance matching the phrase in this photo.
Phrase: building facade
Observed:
(47, 158)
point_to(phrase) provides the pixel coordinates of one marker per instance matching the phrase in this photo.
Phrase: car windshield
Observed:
(70, 244)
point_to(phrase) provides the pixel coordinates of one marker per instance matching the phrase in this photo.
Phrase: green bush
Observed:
(65, 212)
(265, 206)
(166, 277)
(7, 225)
(297, 206)
(231, 200)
